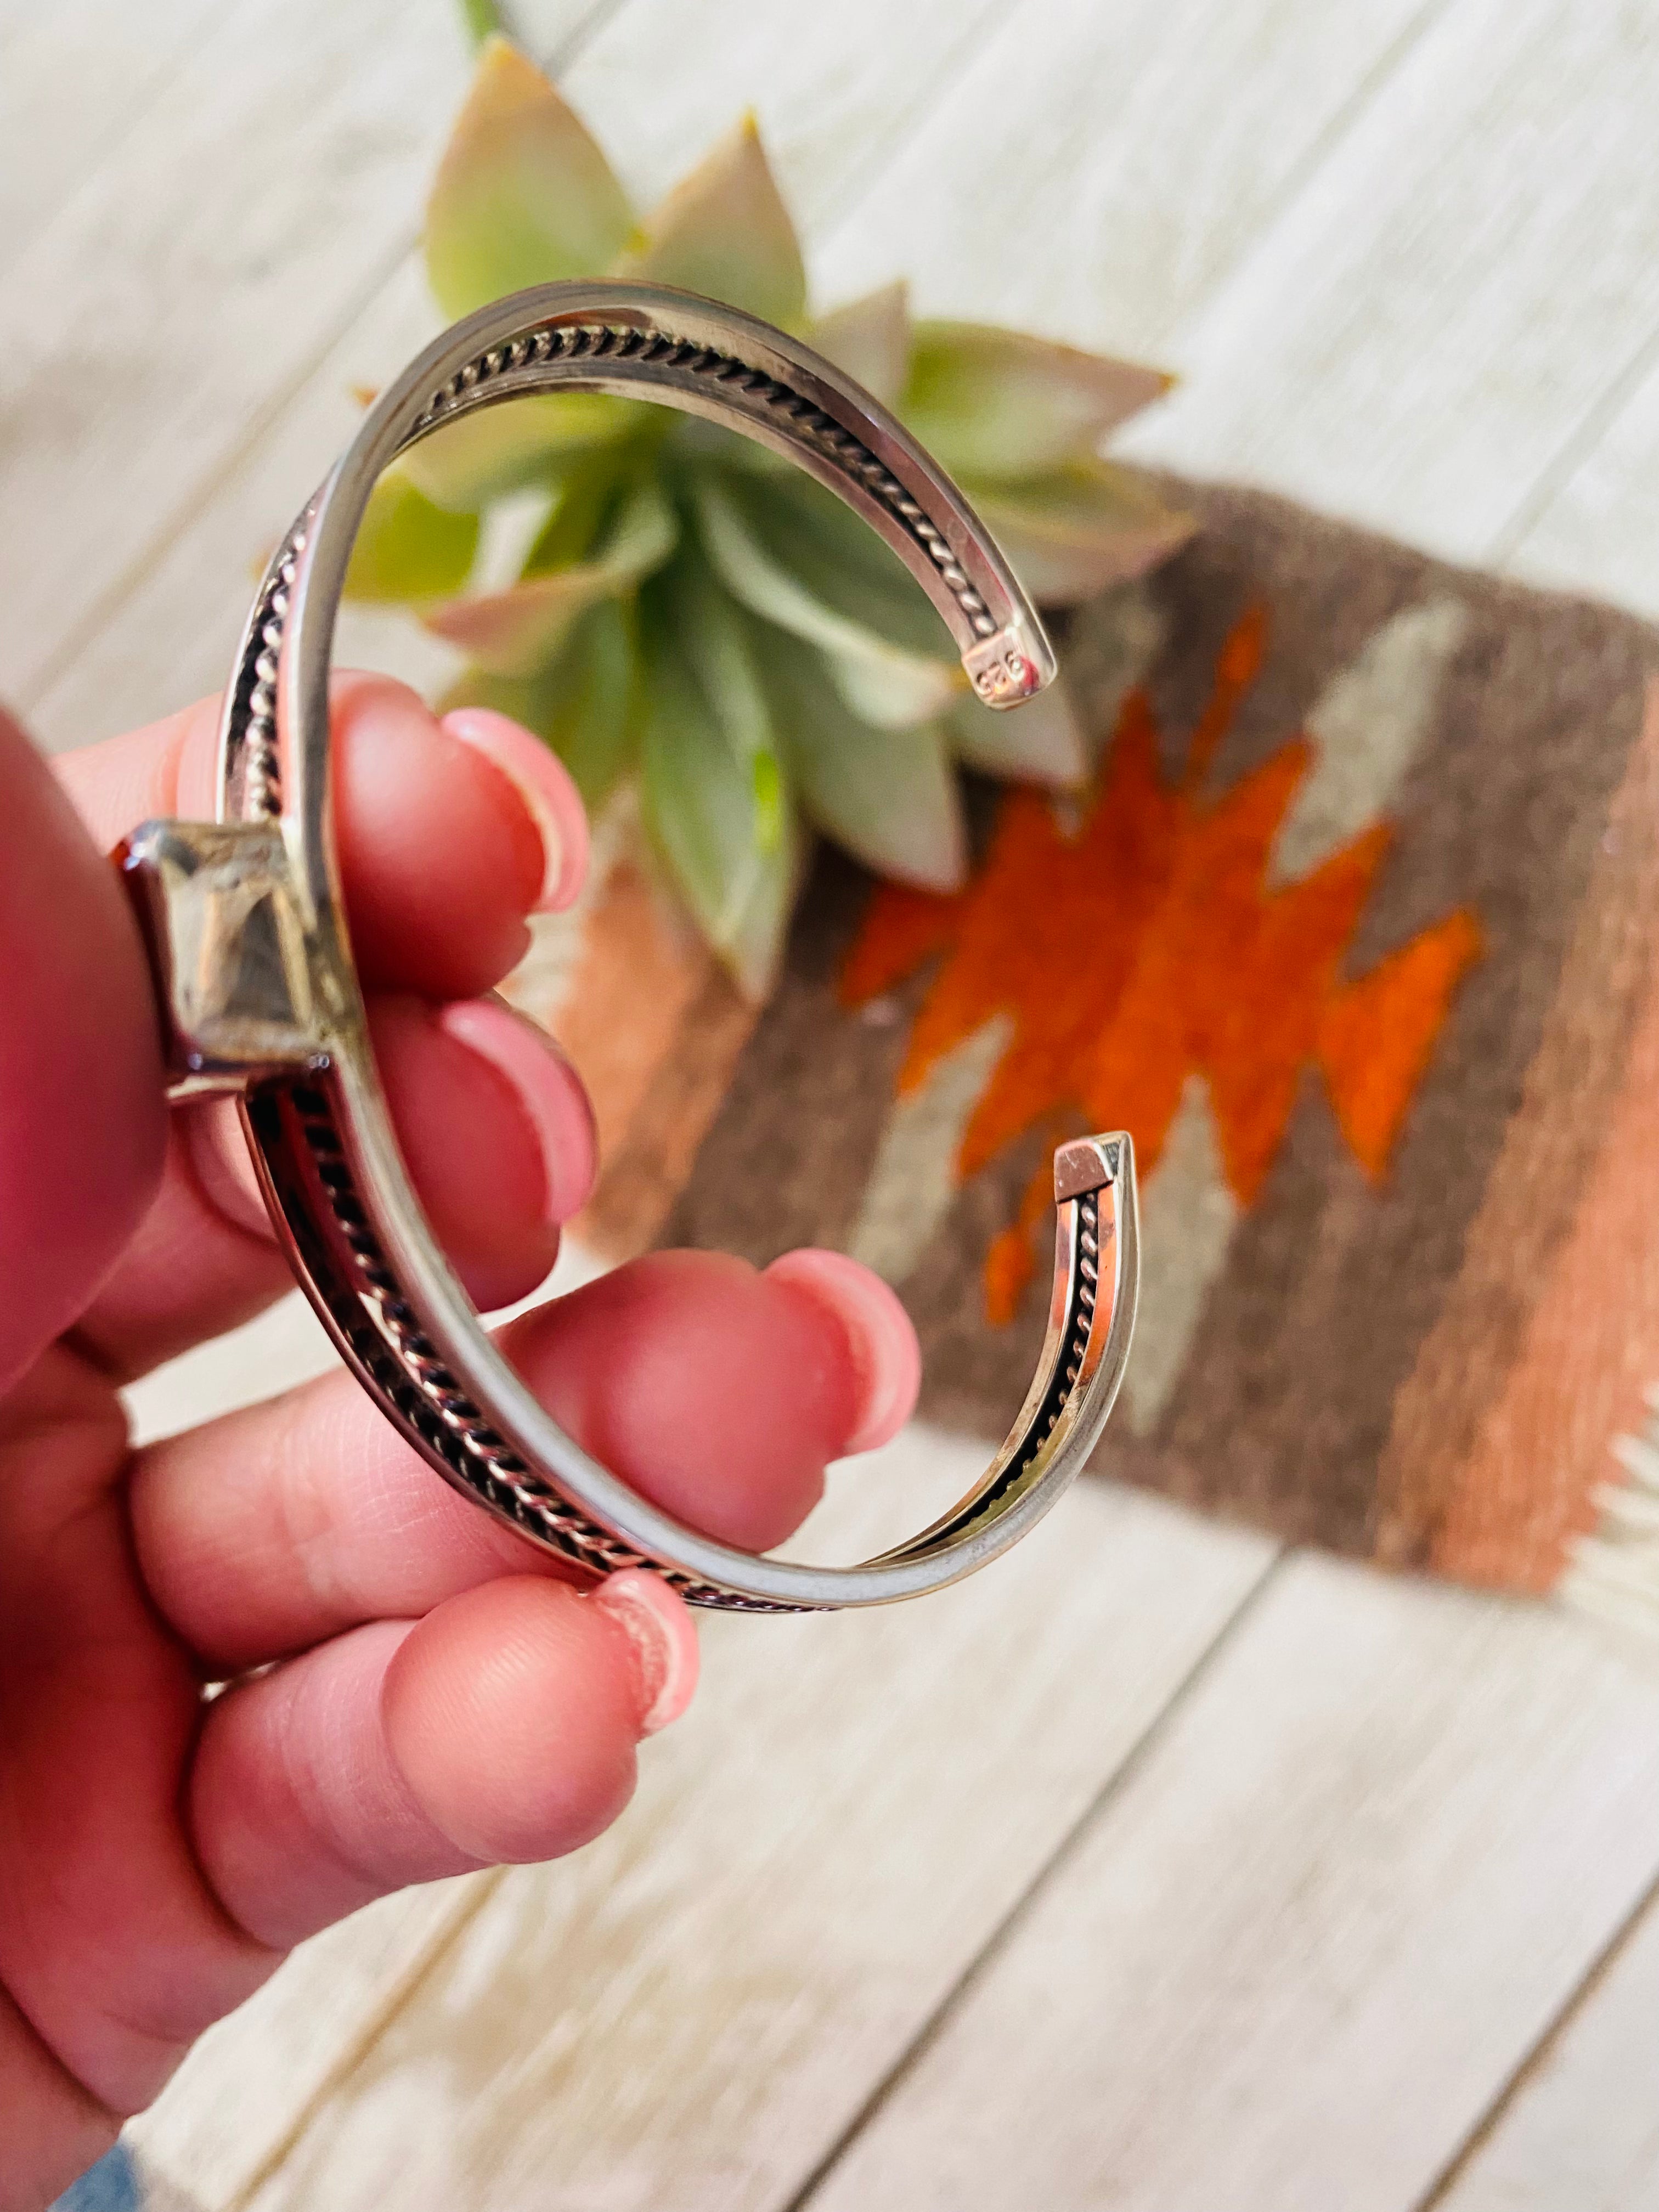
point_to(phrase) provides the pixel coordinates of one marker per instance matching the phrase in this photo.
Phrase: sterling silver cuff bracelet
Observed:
(245, 931)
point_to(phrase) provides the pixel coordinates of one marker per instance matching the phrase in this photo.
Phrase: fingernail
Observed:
(546, 792)
(545, 1085)
(664, 1642)
(886, 1357)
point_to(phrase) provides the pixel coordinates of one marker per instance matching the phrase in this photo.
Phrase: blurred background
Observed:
(1169, 1866)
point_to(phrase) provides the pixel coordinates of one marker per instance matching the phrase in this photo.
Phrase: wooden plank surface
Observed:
(1445, 307)
(73, 77)
(1286, 1964)
(1432, 318)
(830, 93)
(834, 90)
(170, 635)
(1597, 529)
(1402, 253)
(229, 2114)
(689, 2011)
(1580, 2127)
(1097, 171)
(145, 331)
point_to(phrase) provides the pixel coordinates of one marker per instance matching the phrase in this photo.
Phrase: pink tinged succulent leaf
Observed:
(584, 704)
(995, 403)
(716, 800)
(477, 457)
(1078, 530)
(888, 797)
(1040, 742)
(408, 549)
(871, 340)
(523, 194)
(725, 231)
(883, 684)
(515, 632)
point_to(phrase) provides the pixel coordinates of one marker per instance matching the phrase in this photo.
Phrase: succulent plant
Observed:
(692, 615)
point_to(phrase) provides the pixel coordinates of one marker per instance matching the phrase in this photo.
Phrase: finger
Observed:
(81, 1124)
(718, 1392)
(500, 1728)
(110, 1940)
(449, 833)
(500, 1142)
(497, 1132)
(55, 2128)
(410, 865)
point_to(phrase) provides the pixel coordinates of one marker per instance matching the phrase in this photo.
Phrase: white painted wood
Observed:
(73, 78)
(284, 1347)
(171, 637)
(169, 634)
(1300, 1949)
(1467, 277)
(1599, 531)
(1582, 2128)
(689, 2012)
(149, 328)
(228, 2111)
(1314, 1998)
(834, 89)
(1096, 171)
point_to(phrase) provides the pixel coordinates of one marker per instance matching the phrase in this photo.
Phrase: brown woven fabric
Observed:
(1358, 942)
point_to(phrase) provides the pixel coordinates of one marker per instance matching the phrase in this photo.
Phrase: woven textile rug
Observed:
(1355, 933)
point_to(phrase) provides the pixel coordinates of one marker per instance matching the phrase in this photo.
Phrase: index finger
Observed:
(719, 1393)
(450, 833)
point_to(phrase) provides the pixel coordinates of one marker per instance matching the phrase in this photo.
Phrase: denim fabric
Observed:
(112, 2186)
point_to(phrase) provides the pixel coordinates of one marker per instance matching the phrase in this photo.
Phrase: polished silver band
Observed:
(247, 933)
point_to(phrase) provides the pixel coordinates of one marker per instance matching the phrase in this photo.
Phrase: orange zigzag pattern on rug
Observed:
(1149, 946)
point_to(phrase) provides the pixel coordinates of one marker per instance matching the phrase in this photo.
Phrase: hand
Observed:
(434, 1696)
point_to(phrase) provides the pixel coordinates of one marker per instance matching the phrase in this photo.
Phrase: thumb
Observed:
(82, 1112)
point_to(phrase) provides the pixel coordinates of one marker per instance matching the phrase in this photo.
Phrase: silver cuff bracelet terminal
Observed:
(244, 927)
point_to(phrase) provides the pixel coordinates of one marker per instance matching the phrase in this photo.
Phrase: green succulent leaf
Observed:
(871, 340)
(1078, 531)
(835, 554)
(725, 231)
(887, 684)
(482, 17)
(408, 549)
(840, 558)
(522, 441)
(1040, 741)
(696, 443)
(523, 194)
(696, 612)
(585, 702)
(715, 643)
(889, 797)
(512, 633)
(591, 493)
(717, 801)
(999, 404)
